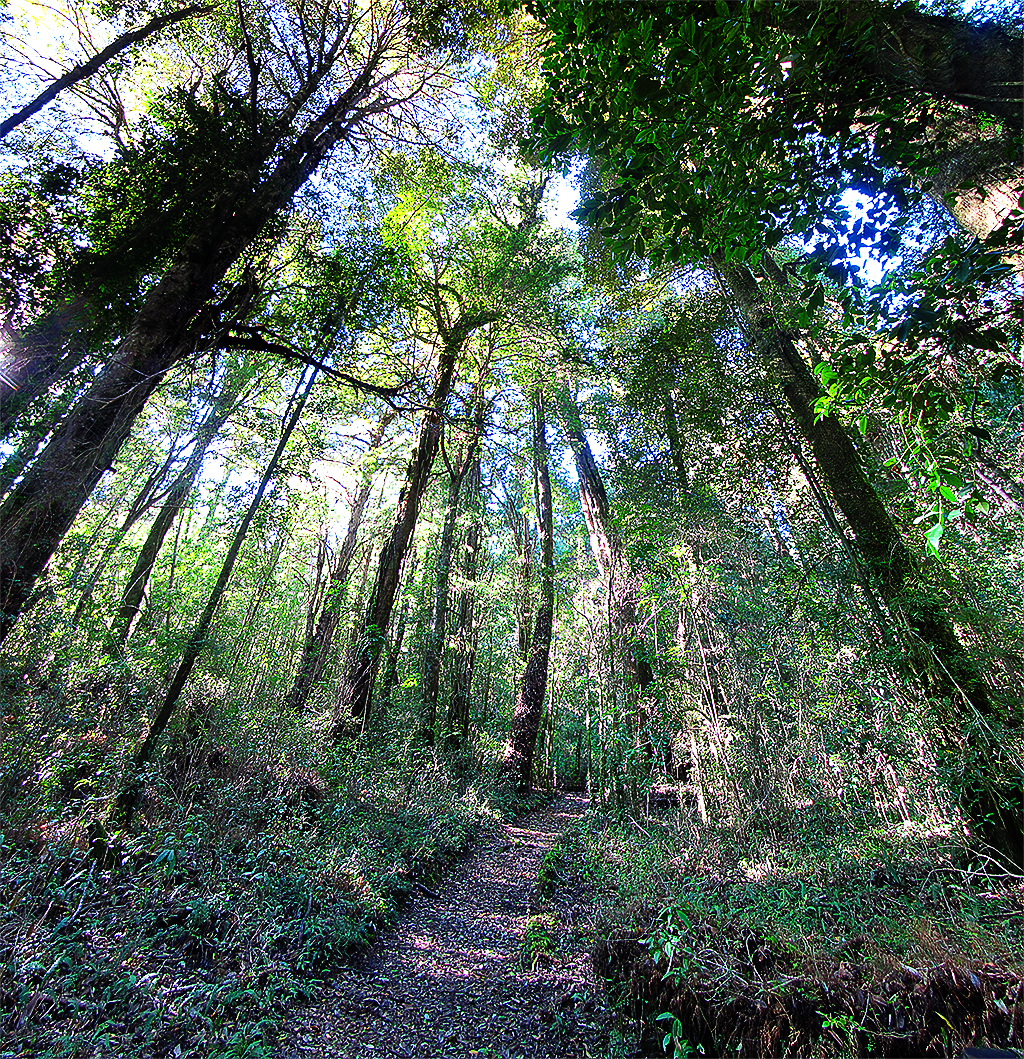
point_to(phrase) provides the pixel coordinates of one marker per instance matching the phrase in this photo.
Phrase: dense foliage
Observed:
(350, 496)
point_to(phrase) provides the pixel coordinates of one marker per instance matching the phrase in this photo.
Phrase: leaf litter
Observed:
(454, 978)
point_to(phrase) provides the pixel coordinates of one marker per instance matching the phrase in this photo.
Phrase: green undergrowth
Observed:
(820, 939)
(240, 888)
(510, 803)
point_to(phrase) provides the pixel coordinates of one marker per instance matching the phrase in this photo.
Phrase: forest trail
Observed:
(455, 978)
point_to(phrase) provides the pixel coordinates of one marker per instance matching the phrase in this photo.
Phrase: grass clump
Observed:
(539, 940)
(549, 874)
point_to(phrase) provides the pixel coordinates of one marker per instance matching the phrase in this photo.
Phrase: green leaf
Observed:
(932, 538)
(1000, 371)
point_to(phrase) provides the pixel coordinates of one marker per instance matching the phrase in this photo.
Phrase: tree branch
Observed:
(260, 345)
(87, 69)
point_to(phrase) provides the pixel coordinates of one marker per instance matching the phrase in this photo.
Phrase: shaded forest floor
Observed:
(376, 905)
(243, 888)
(802, 940)
(496, 962)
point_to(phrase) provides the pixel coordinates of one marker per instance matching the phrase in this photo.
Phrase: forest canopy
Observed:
(352, 494)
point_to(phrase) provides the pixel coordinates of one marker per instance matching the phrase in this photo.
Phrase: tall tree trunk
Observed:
(247, 643)
(892, 49)
(318, 644)
(464, 655)
(977, 178)
(517, 765)
(209, 526)
(523, 544)
(144, 499)
(389, 678)
(1006, 488)
(361, 668)
(41, 508)
(877, 536)
(827, 513)
(197, 640)
(131, 599)
(697, 605)
(976, 64)
(434, 648)
(607, 548)
(939, 657)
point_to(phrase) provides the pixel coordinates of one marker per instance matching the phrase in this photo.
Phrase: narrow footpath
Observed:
(458, 976)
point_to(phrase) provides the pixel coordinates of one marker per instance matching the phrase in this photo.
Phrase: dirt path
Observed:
(455, 979)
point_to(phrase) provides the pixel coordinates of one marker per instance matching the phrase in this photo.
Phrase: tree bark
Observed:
(34, 364)
(675, 447)
(197, 640)
(997, 478)
(144, 499)
(517, 765)
(978, 178)
(878, 539)
(829, 516)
